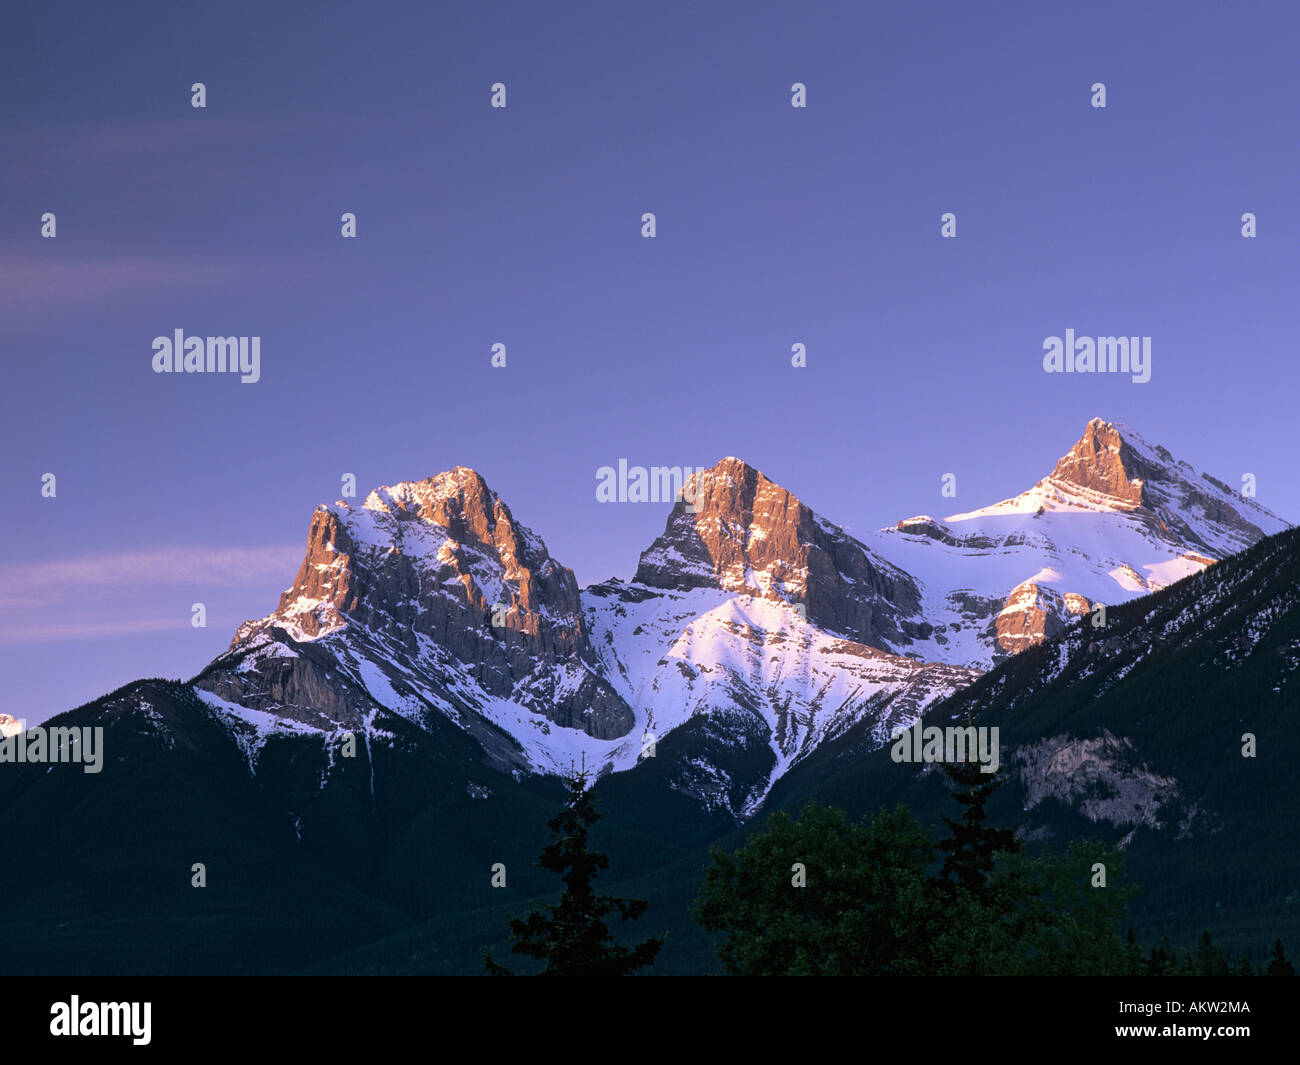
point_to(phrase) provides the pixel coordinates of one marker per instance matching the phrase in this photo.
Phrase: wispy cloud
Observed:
(58, 632)
(34, 284)
(131, 142)
(54, 581)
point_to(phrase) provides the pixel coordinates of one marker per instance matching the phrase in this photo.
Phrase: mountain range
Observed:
(358, 758)
(752, 617)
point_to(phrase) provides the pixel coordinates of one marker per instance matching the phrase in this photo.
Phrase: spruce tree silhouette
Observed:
(1280, 964)
(972, 845)
(572, 937)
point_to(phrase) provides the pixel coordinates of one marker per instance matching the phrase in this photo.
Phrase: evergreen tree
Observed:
(572, 937)
(1134, 964)
(1210, 959)
(1163, 959)
(1280, 965)
(972, 846)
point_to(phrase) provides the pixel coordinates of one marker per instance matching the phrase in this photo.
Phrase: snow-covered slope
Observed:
(758, 667)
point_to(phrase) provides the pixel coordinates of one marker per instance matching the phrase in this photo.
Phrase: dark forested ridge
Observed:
(1159, 701)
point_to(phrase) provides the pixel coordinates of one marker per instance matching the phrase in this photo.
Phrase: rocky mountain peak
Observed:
(457, 497)
(466, 515)
(443, 563)
(1102, 461)
(451, 544)
(739, 531)
(1122, 471)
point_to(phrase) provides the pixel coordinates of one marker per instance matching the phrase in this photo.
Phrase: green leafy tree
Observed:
(1060, 924)
(824, 895)
(572, 938)
(821, 895)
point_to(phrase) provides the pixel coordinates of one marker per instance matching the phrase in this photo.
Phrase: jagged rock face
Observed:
(1031, 614)
(1197, 510)
(443, 557)
(1099, 776)
(442, 562)
(1103, 462)
(924, 525)
(303, 687)
(743, 533)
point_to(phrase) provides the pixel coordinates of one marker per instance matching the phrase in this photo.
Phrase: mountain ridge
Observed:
(752, 618)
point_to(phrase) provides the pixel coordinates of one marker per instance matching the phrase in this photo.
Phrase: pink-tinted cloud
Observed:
(44, 584)
(131, 142)
(42, 285)
(57, 632)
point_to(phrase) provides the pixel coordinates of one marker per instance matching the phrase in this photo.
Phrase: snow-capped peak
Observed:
(1116, 517)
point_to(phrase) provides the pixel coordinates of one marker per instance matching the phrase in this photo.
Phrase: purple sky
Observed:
(776, 225)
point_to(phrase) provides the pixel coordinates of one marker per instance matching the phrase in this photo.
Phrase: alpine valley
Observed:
(348, 771)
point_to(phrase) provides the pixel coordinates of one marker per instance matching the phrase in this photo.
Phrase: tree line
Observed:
(823, 895)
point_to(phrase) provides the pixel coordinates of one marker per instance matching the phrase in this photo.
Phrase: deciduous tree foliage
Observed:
(871, 903)
(865, 895)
